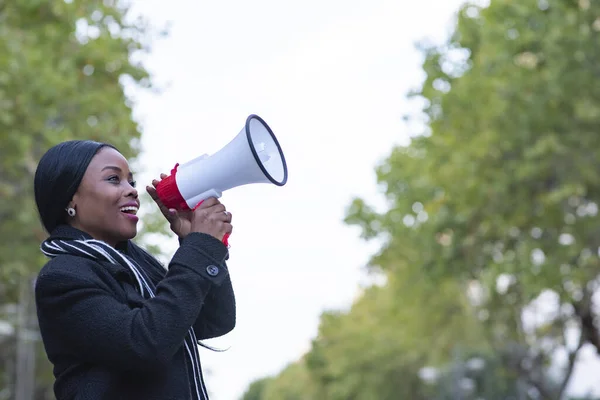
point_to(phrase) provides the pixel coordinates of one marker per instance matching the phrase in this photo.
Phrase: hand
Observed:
(208, 217)
(211, 217)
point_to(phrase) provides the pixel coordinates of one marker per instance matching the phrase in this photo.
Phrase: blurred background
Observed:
(439, 235)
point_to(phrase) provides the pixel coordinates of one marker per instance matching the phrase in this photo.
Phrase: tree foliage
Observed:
(65, 67)
(492, 219)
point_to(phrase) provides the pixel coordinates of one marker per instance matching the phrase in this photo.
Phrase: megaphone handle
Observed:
(225, 237)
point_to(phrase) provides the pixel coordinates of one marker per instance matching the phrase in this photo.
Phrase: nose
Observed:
(132, 192)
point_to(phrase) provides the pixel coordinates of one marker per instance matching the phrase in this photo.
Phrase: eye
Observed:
(116, 180)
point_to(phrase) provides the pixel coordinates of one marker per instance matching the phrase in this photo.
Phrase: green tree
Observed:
(500, 188)
(492, 215)
(293, 383)
(256, 390)
(378, 349)
(64, 70)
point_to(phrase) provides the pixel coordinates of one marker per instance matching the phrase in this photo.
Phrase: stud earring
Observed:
(71, 211)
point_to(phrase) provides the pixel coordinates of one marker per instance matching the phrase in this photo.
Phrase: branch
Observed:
(570, 366)
(528, 374)
(588, 328)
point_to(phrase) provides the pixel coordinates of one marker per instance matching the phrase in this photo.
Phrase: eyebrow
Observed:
(115, 168)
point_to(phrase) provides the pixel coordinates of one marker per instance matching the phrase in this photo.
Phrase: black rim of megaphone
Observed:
(255, 154)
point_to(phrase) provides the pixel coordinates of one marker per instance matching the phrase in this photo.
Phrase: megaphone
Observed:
(253, 156)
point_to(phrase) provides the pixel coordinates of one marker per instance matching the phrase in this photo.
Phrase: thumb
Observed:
(171, 214)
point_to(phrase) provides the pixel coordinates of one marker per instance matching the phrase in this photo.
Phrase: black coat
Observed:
(108, 342)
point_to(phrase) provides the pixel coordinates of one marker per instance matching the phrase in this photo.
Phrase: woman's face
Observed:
(106, 200)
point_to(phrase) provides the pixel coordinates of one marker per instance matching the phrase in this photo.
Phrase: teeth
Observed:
(131, 209)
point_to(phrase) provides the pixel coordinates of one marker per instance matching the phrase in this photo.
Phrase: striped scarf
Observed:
(99, 250)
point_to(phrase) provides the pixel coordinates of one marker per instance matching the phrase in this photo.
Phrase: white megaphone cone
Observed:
(253, 156)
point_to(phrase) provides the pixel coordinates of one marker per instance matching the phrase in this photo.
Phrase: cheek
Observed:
(99, 203)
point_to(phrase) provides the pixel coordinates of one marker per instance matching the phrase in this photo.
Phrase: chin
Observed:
(130, 235)
(126, 234)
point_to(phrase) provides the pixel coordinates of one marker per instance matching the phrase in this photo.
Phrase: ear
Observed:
(74, 200)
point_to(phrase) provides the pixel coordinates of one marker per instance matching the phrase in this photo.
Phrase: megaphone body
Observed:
(253, 156)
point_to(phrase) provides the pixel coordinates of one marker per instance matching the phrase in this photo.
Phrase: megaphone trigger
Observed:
(226, 239)
(197, 205)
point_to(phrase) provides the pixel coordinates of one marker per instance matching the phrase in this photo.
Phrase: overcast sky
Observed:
(329, 77)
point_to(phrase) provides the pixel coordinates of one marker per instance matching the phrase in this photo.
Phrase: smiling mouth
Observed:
(129, 210)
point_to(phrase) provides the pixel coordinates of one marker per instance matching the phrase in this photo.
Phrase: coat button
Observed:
(212, 270)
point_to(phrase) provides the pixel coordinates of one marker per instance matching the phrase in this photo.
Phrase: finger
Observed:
(152, 192)
(168, 213)
(155, 182)
(225, 228)
(215, 212)
(221, 216)
(197, 206)
(171, 214)
(217, 208)
(210, 202)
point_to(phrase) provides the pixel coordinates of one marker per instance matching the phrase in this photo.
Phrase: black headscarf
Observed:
(58, 176)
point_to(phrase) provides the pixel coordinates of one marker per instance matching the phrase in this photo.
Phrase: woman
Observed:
(115, 323)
